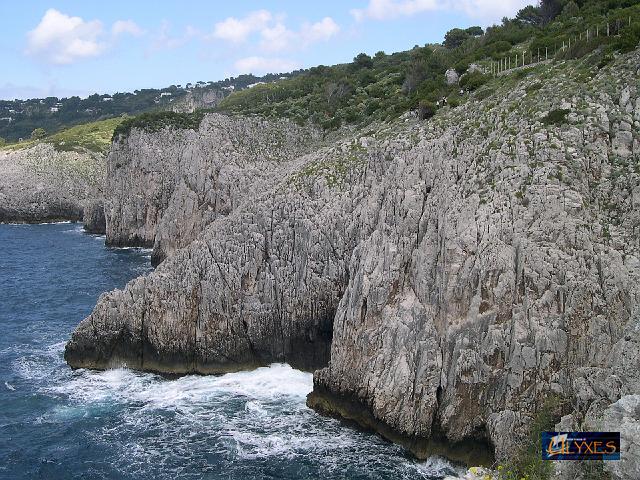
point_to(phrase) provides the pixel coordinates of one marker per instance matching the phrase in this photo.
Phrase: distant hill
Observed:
(378, 87)
(19, 118)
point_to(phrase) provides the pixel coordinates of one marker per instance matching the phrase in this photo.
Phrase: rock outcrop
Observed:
(163, 188)
(198, 98)
(462, 271)
(93, 217)
(40, 184)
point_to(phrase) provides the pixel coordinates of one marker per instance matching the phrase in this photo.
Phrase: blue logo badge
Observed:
(581, 445)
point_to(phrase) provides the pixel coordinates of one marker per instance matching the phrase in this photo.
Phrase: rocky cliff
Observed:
(163, 188)
(446, 277)
(42, 184)
(198, 98)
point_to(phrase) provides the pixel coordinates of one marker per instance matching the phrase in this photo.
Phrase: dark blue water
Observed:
(60, 424)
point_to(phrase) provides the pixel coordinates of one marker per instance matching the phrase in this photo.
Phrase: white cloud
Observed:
(11, 91)
(164, 39)
(274, 35)
(260, 65)
(126, 27)
(279, 37)
(276, 38)
(238, 30)
(489, 9)
(320, 31)
(485, 9)
(60, 39)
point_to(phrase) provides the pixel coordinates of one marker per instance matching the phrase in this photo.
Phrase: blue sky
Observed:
(74, 47)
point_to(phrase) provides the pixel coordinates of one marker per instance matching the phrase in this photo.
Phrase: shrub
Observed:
(426, 110)
(363, 61)
(461, 67)
(455, 37)
(534, 87)
(629, 38)
(332, 123)
(527, 461)
(454, 100)
(556, 117)
(474, 80)
(475, 31)
(485, 93)
(38, 133)
(580, 49)
(154, 122)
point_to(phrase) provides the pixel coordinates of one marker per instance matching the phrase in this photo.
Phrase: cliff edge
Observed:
(446, 278)
(41, 184)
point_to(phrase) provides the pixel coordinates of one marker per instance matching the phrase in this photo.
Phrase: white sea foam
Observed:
(125, 386)
(36, 224)
(249, 416)
(78, 229)
(9, 386)
(138, 249)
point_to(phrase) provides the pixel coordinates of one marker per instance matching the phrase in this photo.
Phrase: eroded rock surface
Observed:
(41, 184)
(467, 268)
(163, 188)
(93, 217)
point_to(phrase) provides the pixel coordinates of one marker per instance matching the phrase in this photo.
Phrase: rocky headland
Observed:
(162, 188)
(446, 279)
(39, 184)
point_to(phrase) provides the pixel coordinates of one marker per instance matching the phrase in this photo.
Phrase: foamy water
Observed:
(58, 424)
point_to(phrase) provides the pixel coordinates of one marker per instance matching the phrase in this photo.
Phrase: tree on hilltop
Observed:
(38, 134)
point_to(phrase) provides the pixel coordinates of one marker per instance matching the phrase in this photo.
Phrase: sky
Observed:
(79, 47)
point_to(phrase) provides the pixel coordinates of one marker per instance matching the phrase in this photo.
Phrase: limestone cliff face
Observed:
(198, 98)
(41, 184)
(465, 269)
(163, 188)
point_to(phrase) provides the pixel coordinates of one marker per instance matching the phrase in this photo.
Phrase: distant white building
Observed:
(165, 94)
(54, 109)
(255, 84)
(107, 99)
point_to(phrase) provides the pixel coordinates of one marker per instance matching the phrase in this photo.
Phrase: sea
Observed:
(56, 423)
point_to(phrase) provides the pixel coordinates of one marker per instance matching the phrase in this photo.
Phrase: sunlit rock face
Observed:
(41, 184)
(163, 188)
(461, 271)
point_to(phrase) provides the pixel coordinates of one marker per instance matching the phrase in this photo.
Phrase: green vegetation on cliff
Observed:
(385, 86)
(94, 137)
(156, 121)
(19, 118)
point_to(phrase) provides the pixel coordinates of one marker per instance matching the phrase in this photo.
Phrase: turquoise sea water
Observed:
(59, 424)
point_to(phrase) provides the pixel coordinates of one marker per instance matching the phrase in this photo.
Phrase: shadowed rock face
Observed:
(39, 184)
(93, 218)
(464, 270)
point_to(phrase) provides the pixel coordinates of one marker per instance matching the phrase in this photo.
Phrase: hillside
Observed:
(370, 88)
(19, 118)
(386, 86)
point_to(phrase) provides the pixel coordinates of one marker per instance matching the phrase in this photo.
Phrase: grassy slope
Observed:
(94, 137)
